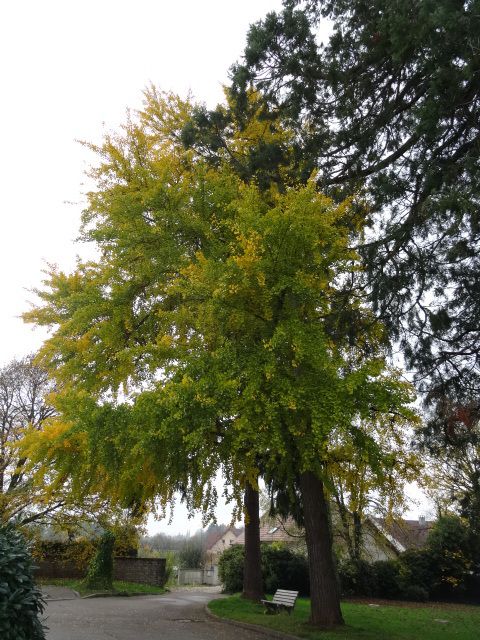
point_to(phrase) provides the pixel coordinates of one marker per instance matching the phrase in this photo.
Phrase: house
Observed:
(382, 539)
(217, 543)
(273, 529)
(405, 534)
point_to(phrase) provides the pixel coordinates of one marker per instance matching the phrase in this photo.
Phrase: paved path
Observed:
(178, 615)
(56, 592)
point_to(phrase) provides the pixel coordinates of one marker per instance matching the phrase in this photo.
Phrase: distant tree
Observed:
(360, 489)
(23, 390)
(191, 556)
(28, 495)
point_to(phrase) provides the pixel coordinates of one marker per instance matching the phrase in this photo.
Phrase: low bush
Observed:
(281, 569)
(284, 569)
(230, 568)
(357, 578)
(416, 568)
(415, 593)
(387, 578)
(21, 603)
(77, 552)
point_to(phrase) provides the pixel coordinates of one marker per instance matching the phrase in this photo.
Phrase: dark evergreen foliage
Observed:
(284, 569)
(21, 603)
(451, 436)
(451, 558)
(281, 569)
(389, 106)
(387, 578)
(357, 577)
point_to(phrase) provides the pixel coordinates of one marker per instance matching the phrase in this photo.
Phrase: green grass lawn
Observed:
(362, 621)
(119, 587)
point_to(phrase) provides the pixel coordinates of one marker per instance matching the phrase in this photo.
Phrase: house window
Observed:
(273, 529)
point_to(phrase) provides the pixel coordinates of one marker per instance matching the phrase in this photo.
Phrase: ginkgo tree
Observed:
(218, 328)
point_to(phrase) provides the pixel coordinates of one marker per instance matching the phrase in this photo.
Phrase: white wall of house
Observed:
(225, 542)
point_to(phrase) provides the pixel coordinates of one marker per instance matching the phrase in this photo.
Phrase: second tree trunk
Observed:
(324, 591)
(252, 572)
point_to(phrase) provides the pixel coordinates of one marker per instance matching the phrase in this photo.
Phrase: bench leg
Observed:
(271, 610)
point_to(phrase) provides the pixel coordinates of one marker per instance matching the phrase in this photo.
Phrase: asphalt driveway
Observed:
(179, 615)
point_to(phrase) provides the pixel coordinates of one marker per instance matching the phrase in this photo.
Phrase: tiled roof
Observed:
(213, 538)
(272, 530)
(411, 534)
(401, 534)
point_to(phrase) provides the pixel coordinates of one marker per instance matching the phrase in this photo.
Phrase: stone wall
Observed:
(53, 569)
(143, 570)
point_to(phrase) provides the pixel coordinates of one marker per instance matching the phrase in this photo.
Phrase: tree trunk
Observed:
(252, 571)
(324, 591)
(357, 535)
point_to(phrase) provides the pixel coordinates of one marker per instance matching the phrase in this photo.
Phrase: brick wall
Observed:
(52, 569)
(142, 570)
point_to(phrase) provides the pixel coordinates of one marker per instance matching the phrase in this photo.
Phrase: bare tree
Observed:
(23, 389)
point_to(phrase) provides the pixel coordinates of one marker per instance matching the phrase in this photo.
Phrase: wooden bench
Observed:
(282, 599)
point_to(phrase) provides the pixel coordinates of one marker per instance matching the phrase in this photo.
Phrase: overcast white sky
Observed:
(69, 71)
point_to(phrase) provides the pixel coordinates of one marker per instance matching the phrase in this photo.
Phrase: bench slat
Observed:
(283, 599)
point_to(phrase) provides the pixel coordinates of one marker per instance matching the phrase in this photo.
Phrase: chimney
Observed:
(421, 521)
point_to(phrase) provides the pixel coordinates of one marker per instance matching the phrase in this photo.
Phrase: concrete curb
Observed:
(119, 594)
(270, 633)
(73, 597)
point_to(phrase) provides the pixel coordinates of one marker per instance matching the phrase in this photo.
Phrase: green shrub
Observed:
(100, 571)
(449, 547)
(230, 568)
(414, 592)
(21, 602)
(170, 562)
(281, 569)
(387, 579)
(284, 569)
(78, 552)
(416, 568)
(357, 578)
